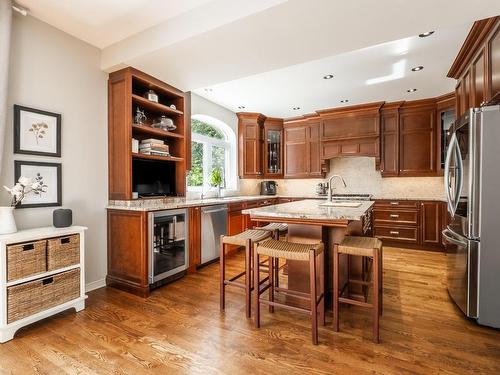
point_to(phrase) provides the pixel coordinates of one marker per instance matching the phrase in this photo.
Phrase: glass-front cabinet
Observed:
(273, 148)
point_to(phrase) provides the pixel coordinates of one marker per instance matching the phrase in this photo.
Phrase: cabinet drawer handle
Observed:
(394, 215)
(395, 232)
(48, 281)
(64, 240)
(28, 247)
(394, 203)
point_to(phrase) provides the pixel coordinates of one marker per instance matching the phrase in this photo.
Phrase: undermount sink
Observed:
(341, 204)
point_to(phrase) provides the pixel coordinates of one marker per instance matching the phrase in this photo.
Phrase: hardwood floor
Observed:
(179, 329)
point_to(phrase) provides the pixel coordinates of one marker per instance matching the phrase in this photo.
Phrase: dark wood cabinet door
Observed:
(314, 150)
(296, 151)
(128, 251)
(493, 74)
(478, 80)
(389, 163)
(466, 91)
(417, 141)
(251, 150)
(250, 128)
(431, 224)
(194, 238)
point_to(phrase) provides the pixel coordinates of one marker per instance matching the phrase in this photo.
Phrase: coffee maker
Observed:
(268, 188)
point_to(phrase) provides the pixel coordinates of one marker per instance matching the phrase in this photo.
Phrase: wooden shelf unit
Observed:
(126, 88)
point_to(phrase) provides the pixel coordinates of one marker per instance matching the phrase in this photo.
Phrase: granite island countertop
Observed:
(310, 210)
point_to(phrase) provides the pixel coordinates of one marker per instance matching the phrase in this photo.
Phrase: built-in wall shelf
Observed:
(155, 107)
(157, 157)
(148, 130)
(130, 172)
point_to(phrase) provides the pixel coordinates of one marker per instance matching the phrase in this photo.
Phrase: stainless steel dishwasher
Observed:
(213, 225)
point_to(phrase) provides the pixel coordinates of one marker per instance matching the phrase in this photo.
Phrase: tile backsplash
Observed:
(361, 177)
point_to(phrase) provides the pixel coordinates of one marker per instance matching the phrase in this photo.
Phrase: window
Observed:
(213, 149)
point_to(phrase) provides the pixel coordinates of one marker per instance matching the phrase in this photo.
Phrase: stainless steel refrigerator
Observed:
(472, 238)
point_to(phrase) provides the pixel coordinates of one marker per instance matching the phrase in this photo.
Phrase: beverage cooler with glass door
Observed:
(168, 244)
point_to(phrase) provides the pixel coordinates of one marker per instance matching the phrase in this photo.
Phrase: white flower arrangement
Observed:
(25, 186)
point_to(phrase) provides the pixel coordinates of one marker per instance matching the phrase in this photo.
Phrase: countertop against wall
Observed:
(175, 203)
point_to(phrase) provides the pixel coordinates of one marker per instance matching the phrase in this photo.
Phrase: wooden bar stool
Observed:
(246, 239)
(277, 229)
(371, 249)
(292, 251)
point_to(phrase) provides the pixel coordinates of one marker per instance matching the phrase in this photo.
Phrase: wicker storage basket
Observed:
(63, 252)
(26, 259)
(32, 297)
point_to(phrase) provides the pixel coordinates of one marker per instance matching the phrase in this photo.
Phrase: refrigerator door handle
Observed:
(459, 175)
(447, 234)
(449, 153)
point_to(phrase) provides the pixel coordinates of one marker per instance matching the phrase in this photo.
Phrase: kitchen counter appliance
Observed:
(213, 225)
(472, 182)
(268, 188)
(168, 244)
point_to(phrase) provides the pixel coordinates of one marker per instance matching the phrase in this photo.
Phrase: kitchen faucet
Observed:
(330, 187)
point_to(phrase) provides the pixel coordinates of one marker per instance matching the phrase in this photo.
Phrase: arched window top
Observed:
(213, 148)
(211, 127)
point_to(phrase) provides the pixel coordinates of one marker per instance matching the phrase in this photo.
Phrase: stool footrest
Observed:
(235, 283)
(282, 305)
(355, 302)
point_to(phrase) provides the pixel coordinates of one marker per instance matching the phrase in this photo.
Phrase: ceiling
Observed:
(271, 55)
(104, 22)
(378, 73)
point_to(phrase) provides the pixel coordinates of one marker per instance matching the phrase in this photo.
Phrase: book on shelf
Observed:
(154, 146)
(152, 141)
(135, 146)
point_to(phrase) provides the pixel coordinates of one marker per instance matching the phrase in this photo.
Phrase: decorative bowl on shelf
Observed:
(164, 123)
(151, 96)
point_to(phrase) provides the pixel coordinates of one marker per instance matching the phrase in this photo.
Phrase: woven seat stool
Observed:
(277, 229)
(245, 239)
(311, 253)
(370, 248)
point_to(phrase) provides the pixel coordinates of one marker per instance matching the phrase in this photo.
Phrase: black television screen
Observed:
(153, 178)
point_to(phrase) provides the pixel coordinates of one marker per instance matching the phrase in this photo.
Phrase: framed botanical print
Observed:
(47, 174)
(36, 132)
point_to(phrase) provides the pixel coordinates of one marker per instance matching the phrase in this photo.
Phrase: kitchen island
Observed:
(310, 221)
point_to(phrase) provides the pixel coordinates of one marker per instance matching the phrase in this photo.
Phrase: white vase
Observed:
(7, 221)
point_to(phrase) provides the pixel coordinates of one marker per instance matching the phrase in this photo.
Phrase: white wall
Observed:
(53, 71)
(202, 106)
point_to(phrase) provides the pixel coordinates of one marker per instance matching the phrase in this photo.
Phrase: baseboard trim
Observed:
(95, 285)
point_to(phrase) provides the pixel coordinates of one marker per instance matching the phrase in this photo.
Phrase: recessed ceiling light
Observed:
(208, 89)
(417, 68)
(328, 76)
(344, 101)
(411, 90)
(428, 33)
(241, 107)
(296, 108)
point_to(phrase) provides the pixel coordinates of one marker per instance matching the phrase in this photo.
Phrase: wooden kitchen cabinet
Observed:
(250, 143)
(128, 251)
(351, 131)
(302, 149)
(194, 214)
(493, 72)
(431, 226)
(389, 140)
(273, 148)
(417, 138)
(417, 224)
(477, 67)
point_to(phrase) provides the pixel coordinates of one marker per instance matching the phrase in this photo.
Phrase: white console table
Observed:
(7, 331)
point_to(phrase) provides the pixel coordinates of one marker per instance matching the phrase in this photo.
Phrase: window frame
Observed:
(229, 160)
